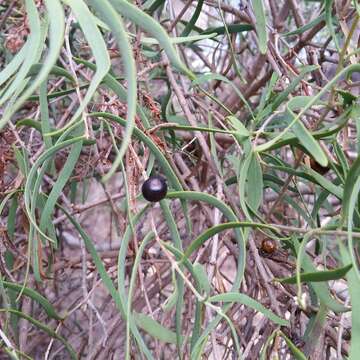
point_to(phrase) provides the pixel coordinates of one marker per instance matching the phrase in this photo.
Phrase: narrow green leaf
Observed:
(255, 183)
(155, 329)
(243, 188)
(152, 5)
(306, 27)
(248, 301)
(304, 136)
(267, 344)
(329, 22)
(189, 26)
(228, 213)
(200, 271)
(351, 179)
(350, 69)
(232, 29)
(207, 234)
(171, 301)
(179, 39)
(11, 68)
(153, 147)
(242, 133)
(99, 50)
(211, 76)
(318, 276)
(108, 283)
(321, 289)
(59, 185)
(146, 22)
(37, 126)
(350, 199)
(176, 239)
(240, 237)
(134, 272)
(354, 290)
(44, 111)
(313, 177)
(295, 351)
(32, 55)
(56, 38)
(118, 89)
(55, 70)
(260, 24)
(36, 297)
(117, 27)
(44, 328)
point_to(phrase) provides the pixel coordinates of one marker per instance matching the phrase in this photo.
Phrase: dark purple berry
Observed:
(154, 188)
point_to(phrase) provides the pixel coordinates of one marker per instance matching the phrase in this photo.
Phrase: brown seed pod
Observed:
(268, 246)
(311, 162)
(318, 168)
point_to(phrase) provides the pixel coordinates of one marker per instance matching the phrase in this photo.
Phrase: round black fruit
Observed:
(154, 188)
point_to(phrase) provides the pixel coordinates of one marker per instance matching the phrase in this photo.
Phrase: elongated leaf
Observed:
(152, 5)
(32, 177)
(145, 241)
(208, 77)
(329, 22)
(304, 136)
(14, 64)
(36, 297)
(154, 28)
(350, 199)
(260, 24)
(319, 276)
(308, 26)
(44, 110)
(117, 27)
(240, 237)
(179, 39)
(348, 70)
(175, 236)
(59, 185)
(243, 189)
(31, 57)
(200, 240)
(37, 126)
(56, 37)
(280, 98)
(55, 70)
(108, 283)
(354, 290)
(266, 345)
(119, 90)
(228, 213)
(314, 177)
(155, 329)
(44, 328)
(248, 301)
(189, 26)
(140, 135)
(254, 183)
(232, 29)
(327, 132)
(99, 50)
(321, 289)
(202, 276)
(351, 179)
(299, 355)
